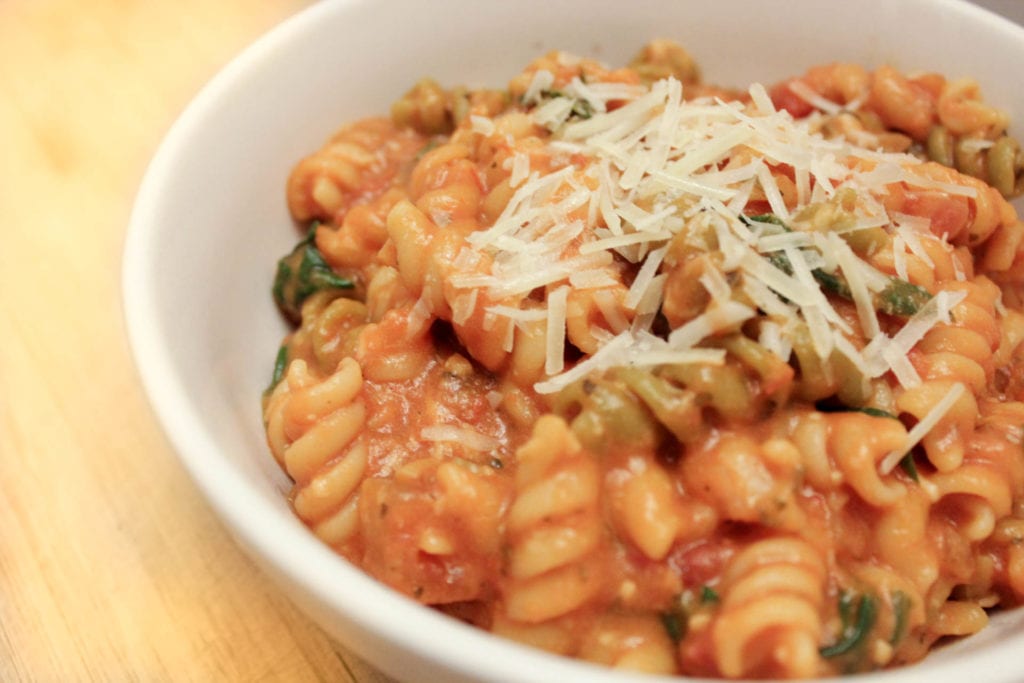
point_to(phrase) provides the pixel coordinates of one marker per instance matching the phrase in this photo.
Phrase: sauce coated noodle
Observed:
(663, 375)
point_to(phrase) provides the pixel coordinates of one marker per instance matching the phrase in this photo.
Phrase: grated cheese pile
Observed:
(658, 165)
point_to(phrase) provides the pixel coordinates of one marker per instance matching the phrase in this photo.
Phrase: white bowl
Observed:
(210, 222)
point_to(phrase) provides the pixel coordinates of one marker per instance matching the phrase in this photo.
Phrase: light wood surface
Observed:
(112, 568)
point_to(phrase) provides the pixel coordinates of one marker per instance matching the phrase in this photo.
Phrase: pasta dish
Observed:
(665, 375)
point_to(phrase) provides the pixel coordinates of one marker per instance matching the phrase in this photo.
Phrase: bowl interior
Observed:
(210, 222)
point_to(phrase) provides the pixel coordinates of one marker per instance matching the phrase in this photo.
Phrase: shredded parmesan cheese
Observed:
(464, 436)
(482, 125)
(555, 358)
(921, 429)
(804, 92)
(626, 180)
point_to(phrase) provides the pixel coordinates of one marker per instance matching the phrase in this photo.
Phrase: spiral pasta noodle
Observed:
(325, 184)
(666, 375)
(946, 121)
(314, 427)
(773, 592)
(553, 527)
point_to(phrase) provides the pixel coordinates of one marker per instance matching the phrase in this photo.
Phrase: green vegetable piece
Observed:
(619, 416)
(876, 412)
(675, 408)
(856, 627)
(901, 298)
(676, 616)
(866, 240)
(832, 283)
(675, 625)
(1003, 163)
(780, 261)
(867, 410)
(581, 109)
(708, 594)
(829, 281)
(908, 465)
(939, 146)
(301, 273)
(901, 605)
(280, 365)
(764, 218)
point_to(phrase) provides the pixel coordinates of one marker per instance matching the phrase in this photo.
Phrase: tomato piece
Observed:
(949, 215)
(784, 98)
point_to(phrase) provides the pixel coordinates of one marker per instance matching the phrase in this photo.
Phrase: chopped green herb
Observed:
(708, 594)
(676, 616)
(908, 465)
(764, 218)
(901, 611)
(280, 364)
(832, 283)
(899, 297)
(829, 281)
(580, 108)
(780, 261)
(301, 273)
(675, 625)
(867, 410)
(855, 627)
(876, 412)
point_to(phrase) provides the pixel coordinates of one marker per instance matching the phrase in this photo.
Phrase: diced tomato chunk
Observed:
(949, 215)
(784, 98)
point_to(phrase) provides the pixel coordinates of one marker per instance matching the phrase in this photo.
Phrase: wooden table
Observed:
(112, 568)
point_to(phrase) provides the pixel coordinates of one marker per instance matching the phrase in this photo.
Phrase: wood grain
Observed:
(112, 568)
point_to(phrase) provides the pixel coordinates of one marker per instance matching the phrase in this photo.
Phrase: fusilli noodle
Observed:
(665, 375)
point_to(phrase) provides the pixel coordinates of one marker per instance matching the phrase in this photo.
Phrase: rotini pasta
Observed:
(945, 121)
(664, 375)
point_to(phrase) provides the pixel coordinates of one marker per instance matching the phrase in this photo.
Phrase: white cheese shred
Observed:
(804, 92)
(554, 360)
(630, 182)
(464, 436)
(921, 429)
